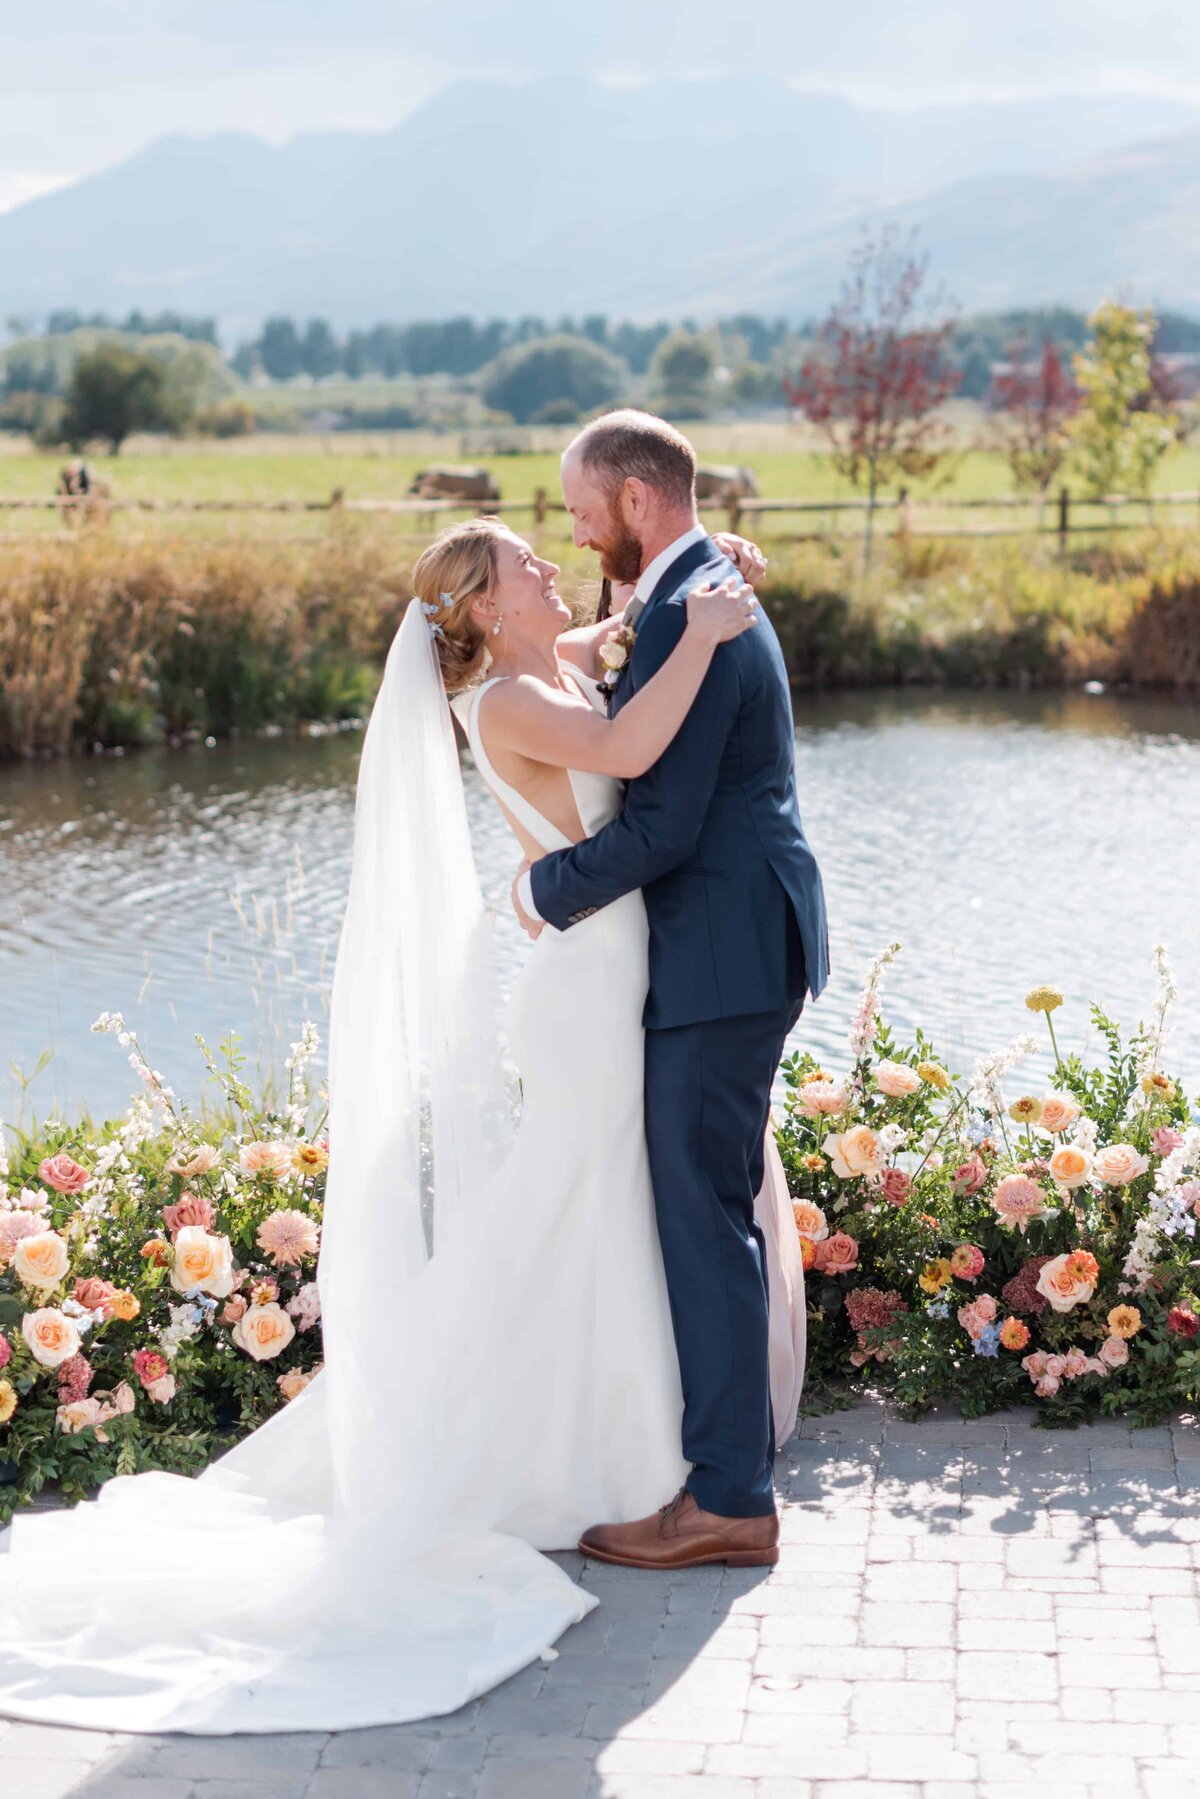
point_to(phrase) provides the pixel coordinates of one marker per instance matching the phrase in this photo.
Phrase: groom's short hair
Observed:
(628, 443)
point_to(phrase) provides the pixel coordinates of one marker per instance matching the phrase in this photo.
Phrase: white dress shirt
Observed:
(647, 581)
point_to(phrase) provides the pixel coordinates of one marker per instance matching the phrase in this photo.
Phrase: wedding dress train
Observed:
(371, 1554)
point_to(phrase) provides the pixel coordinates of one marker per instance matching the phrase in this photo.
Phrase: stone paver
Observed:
(963, 1610)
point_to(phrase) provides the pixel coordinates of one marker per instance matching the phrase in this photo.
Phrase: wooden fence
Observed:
(1057, 515)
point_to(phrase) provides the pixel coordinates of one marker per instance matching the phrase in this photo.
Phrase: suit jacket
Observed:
(711, 833)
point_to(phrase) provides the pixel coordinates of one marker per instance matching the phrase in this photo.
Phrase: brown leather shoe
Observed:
(680, 1535)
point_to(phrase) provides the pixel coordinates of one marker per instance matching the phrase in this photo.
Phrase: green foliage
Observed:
(1120, 436)
(113, 391)
(525, 380)
(681, 372)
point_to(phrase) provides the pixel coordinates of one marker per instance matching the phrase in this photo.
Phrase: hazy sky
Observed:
(85, 82)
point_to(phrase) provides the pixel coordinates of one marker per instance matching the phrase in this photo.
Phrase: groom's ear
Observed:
(637, 498)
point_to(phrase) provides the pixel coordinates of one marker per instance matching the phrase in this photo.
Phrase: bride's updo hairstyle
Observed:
(452, 573)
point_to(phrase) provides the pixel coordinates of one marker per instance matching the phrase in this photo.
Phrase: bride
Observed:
(500, 1366)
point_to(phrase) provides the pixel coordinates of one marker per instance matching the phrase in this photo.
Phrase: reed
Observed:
(114, 640)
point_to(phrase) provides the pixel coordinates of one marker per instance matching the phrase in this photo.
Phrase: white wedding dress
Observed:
(371, 1554)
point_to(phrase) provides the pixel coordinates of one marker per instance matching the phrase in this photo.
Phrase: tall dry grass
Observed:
(130, 640)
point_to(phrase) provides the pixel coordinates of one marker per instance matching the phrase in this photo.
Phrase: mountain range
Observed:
(681, 199)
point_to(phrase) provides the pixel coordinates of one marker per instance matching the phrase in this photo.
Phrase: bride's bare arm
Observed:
(532, 719)
(581, 645)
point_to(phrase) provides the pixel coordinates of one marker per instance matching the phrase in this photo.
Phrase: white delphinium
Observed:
(303, 1051)
(865, 1027)
(1086, 1132)
(991, 1070)
(185, 1324)
(1150, 1048)
(1170, 1211)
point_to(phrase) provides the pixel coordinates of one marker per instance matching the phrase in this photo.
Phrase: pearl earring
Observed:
(497, 625)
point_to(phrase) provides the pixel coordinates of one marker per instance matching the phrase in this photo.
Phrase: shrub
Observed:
(531, 376)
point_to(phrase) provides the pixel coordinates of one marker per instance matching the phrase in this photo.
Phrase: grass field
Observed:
(381, 465)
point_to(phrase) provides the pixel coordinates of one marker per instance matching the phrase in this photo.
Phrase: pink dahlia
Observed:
(287, 1237)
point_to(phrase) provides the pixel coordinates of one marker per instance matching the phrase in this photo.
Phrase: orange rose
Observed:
(41, 1260)
(264, 1332)
(855, 1153)
(1058, 1111)
(1070, 1165)
(837, 1254)
(810, 1219)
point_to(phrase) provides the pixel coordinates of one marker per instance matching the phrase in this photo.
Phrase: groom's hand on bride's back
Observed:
(532, 927)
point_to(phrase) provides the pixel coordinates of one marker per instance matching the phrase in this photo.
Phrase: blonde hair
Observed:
(449, 576)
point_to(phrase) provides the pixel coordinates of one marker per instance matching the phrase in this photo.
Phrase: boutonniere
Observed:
(614, 654)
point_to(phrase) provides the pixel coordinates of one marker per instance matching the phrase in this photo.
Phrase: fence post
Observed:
(336, 498)
(1064, 518)
(735, 511)
(539, 506)
(904, 515)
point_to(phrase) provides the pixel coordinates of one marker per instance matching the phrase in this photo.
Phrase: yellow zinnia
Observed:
(1025, 1110)
(1043, 999)
(8, 1400)
(935, 1276)
(1124, 1321)
(934, 1075)
(1158, 1086)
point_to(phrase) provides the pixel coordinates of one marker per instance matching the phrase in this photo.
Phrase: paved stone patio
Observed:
(962, 1611)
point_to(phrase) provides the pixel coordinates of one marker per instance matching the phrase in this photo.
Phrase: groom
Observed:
(737, 937)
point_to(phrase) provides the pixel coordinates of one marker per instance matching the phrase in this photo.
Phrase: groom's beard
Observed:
(621, 557)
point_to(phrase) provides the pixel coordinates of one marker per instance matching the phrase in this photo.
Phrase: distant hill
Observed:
(685, 198)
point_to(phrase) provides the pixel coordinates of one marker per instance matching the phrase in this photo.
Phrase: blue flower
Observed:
(988, 1340)
(940, 1308)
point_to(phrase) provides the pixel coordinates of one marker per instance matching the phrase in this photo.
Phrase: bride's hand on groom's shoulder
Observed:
(532, 927)
(746, 557)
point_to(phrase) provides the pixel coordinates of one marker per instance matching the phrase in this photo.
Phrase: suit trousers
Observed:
(708, 1095)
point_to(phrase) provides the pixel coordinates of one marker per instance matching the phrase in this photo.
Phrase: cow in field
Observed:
(88, 496)
(446, 481)
(725, 482)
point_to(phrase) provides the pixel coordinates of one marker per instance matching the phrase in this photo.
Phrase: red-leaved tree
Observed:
(880, 370)
(1037, 396)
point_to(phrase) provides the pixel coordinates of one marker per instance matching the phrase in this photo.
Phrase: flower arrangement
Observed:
(157, 1290)
(967, 1245)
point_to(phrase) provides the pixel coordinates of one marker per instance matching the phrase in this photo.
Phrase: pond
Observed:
(1003, 840)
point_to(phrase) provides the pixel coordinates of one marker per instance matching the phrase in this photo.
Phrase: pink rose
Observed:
(190, 1208)
(63, 1174)
(896, 1186)
(836, 1255)
(5, 1351)
(1047, 1386)
(96, 1295)
(122, 1399)
(1076, 1364)
(190, 1163)
(233, 1309)
(1056, 1366)
(1095, 1365)
(1165, 1139)
(970, 1177)
(1114, 1352)
(896, 1079)
(1035, 1364)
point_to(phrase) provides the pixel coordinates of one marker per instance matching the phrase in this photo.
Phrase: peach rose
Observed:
(121, 1399)
(190, 1163)
(1061, 1286)
(63, 1174)
(1119, 1164)
(837, 1254)
(1076, 1364)
(83, 1414)
(273, 1160)
(293, 1383)
(897, 1079)
(1034, 1364)
(202, 1261)
(855, 1153)
(162, 1390)
(1070, 1165)
(1058, 1111)
(821, 1099)
(264, 1332)
(1048, 1386)
(1056, 1366)
(51, 1337)
(1114, 1352)
(41, 1260)
(810, 1219)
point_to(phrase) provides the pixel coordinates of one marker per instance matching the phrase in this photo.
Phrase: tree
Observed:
(319, 353)
(113, 391)
(681, 372)
(1038, 398)
(524, 380)
(1119, 436)
(879, 371)
(279, 349)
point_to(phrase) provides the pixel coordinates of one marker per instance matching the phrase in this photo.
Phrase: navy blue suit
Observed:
(712, 836)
